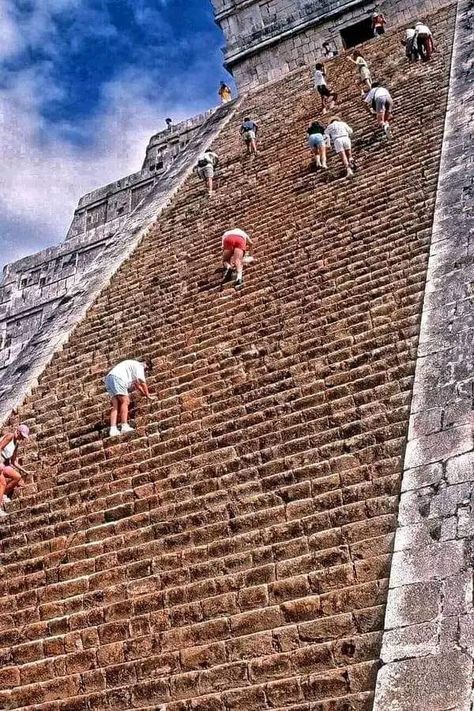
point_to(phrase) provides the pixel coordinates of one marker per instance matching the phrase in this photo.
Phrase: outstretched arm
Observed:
(142, 388)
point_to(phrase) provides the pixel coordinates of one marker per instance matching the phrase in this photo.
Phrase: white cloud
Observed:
(43, 171)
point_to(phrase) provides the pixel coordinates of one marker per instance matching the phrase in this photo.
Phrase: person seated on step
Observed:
(378, 23)
(125, 377)
(10, 470)
(380, 102)
(365, 79)
(225, 93)
(206, 167)
(328, 97)
(424, 41)
(411, 48)
(248, 131)
(234, 246)
(318, 142)
(339, 133)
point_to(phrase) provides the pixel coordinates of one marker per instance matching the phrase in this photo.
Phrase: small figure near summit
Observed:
(365, 79)
(234, 246)
(225, 94)
(424, 41)
(126, 376)
(378, 23)
(248, 131)
(206, 167)
(328, 97)
(10, 470)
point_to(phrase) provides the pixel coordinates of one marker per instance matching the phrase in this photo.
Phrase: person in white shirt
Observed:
(205, 168)
(424, 41)
(340, 134)
(234, 246)
(411, 49)
(126, 376)
(379, 101)
(365, 79)
(328, 97)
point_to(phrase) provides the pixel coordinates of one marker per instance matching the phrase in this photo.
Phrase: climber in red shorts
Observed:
(234, 245)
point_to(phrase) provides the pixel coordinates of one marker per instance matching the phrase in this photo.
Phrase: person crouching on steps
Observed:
(317, 143)
(234, 245)
(126, 376)
(206, 167)
(379, 101)
(328, 97)
(10, 470)
(340, 134)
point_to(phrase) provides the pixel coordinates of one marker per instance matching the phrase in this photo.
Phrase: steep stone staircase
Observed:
(233, 553)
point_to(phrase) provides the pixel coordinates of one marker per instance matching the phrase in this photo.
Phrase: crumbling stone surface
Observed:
(427, 645)
(234, 551)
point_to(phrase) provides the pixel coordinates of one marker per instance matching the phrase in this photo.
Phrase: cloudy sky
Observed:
(83, 85)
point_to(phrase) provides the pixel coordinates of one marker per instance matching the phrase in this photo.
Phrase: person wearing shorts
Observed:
(339, 133)
(126, 376)
(423, 41)
(248, 131)
(328, 97)
(317, 142)
(234, 246)
(365, 79)
(378, 24)
(379, 101)
(10, 470)
(206, 167)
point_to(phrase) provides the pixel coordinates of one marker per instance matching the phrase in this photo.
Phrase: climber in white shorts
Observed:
(206, 167)
(339, 133)
(126, 376)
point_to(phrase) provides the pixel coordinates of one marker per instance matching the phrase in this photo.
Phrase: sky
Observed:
(83, 86)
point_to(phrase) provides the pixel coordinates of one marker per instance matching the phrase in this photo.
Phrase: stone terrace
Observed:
(234, 552)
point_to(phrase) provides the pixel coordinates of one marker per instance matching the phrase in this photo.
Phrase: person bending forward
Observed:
(126, 376)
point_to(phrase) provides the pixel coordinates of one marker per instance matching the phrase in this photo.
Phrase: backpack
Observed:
(203, 162)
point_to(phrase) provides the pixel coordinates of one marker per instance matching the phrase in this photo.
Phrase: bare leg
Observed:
(322, 155)
(13, 479)
(123, 401)
(209, 182)
(114, 411)
(254, 146)
(344, 159)
(3, 486)
(238, 261)
(227, 257)
(317, 157)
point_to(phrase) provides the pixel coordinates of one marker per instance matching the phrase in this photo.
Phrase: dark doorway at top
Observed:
(358, 33)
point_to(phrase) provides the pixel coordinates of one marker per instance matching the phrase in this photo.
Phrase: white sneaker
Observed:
(349, 173)
(114, 432)
(3, 513)
(388, 131)
(324, 166)
(5, 500)
(126, 428)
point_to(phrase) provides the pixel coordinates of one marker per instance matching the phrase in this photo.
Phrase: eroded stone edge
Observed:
(428, 643)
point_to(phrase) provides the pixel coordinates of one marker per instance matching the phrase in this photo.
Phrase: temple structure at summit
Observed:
(290, 525)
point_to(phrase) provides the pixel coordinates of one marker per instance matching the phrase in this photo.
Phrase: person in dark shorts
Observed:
(328, 97)
(424, 41)
(378, 24)
(411, 47)
(248, 131)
